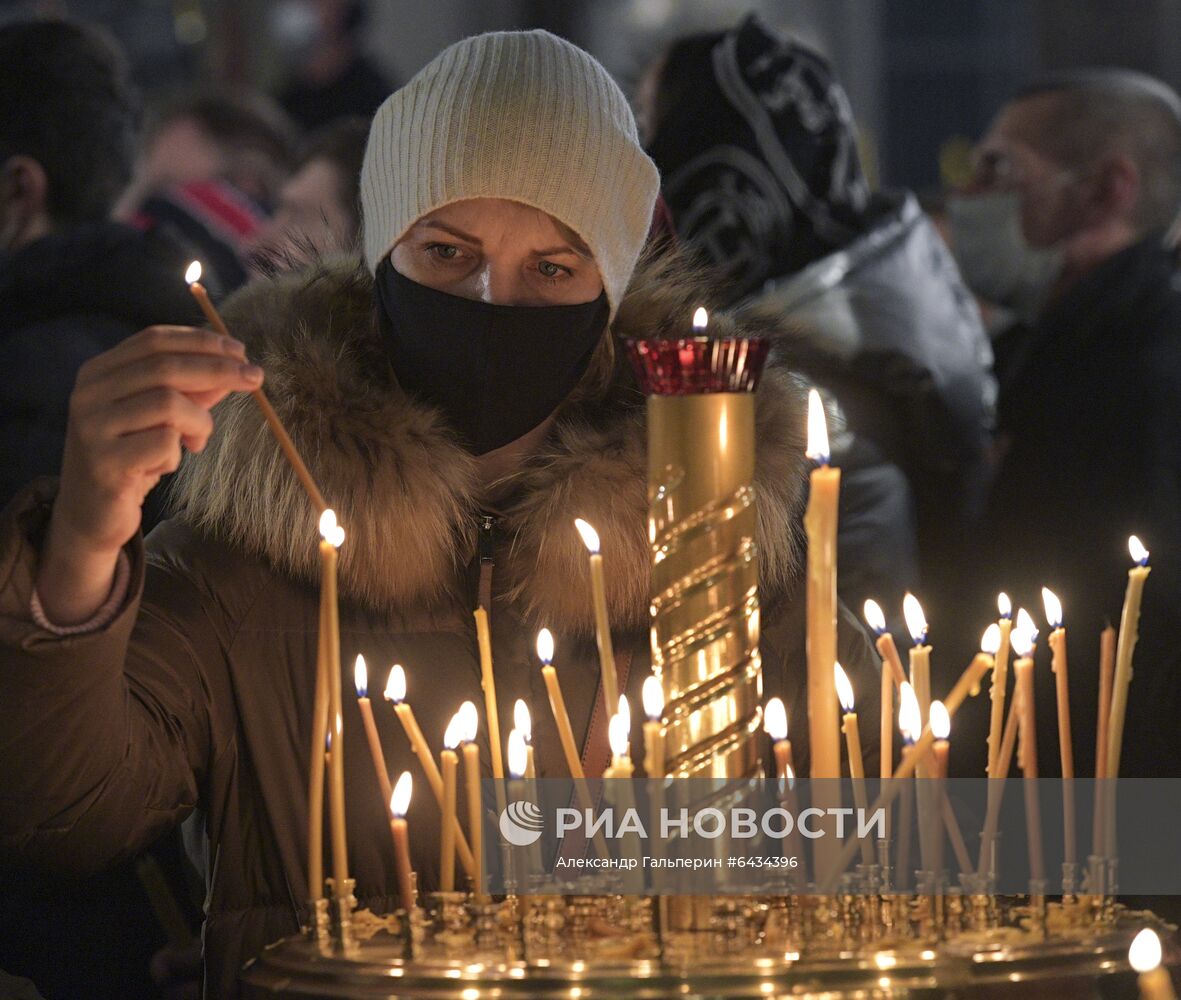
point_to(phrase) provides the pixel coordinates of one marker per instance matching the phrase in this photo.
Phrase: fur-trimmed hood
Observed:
(407, 493)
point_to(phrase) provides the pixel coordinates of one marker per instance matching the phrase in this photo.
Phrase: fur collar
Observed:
(407, 494)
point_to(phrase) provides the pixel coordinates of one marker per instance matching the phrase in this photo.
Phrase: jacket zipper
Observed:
(485, 550)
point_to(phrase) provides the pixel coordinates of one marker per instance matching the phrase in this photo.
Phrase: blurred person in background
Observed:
(1076, 185)
(208, 175)
(755, 142)
(330, 75)
(73, 284)
(319, 209)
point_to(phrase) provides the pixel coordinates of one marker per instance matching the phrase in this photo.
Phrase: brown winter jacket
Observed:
(198, 696)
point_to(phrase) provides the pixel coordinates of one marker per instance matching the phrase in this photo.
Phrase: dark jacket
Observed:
(1090, 419)
(199, 695)
(886, 326)
(64, 299)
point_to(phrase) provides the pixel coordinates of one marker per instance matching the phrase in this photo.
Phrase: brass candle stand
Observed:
(589, 939)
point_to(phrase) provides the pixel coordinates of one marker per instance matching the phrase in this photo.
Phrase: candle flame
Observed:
(590, 537)
(522, 720)
(700, 319)
(775, 720)
(817, 449)
(1026, 623)
(844, 688)
(545, 646)
(625, 710)
(400, 799)
(916, 621)
(330, 531)
(990, 642)
(193, 273)
(874, 616)
(361, 676)
(1022, 641)
(454, 734)
(1145, 953)
(395, 687)
(1004, 605)
(518, 754)
(470, 721)
(909, 718)
(1053, 608)
(939, 720)
(1137, 550)
(618, 732)
(652, 695)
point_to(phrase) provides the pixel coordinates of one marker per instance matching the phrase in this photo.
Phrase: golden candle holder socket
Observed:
(319, 927)
(343, 903)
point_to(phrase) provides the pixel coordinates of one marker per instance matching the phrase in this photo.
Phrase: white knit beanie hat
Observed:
(522, 115)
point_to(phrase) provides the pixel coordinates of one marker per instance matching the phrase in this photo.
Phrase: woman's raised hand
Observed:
(132, 410)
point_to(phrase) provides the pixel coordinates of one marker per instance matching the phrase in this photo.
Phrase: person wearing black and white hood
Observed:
(756, 146)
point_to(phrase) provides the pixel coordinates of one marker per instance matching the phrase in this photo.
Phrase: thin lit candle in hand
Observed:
(197, 290)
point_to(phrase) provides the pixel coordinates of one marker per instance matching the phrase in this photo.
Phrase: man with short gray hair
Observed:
(1068, 222)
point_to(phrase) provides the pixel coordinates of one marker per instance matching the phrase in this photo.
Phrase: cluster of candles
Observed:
(924, 723)
(459, 738)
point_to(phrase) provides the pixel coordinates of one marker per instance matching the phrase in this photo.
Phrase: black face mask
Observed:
(495, 371)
